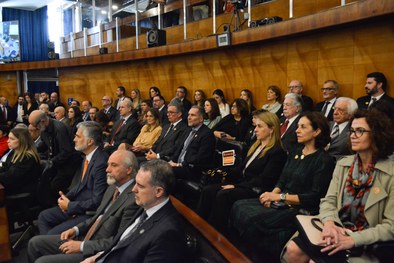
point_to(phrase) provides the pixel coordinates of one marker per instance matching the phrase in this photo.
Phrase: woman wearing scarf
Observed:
(358, 208)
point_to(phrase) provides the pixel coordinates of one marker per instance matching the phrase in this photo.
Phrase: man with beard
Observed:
(113, 216)
(375, 87)
(89, 184)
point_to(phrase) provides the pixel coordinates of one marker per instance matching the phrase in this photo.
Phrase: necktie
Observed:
(85, 168)
(95, 224)
(186, 145)
(324, 110)
(373, 100)
(169, 129)
(335, 132)
(4, 112)
(117, 131)
(283, 128)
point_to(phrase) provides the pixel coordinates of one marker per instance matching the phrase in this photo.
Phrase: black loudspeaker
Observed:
(53, 55)
(103, 50)
(156, 37)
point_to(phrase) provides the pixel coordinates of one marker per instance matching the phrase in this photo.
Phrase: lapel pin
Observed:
(174, 129)
(376, 190)
(142, 231)
(296, 157)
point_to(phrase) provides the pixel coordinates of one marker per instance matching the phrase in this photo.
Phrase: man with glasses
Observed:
(181, 93)
(60, 170)
(107, 108)
(171, 136)
(375, 87)
(160, 105)
(330, 90)
(344, 109)
(296, 87)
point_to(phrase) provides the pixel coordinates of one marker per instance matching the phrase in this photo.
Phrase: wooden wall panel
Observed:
(345, 55)
(8, 86)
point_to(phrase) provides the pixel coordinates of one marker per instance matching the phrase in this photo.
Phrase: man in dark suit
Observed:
(86, 105)
(7, 115)
(156, 234)
(197, 150)
(159, 104)
(181, 93)
(60, 115)
(55, 102)
(296, 87)
(171, 136)
(107, 108)
(89, 184)
(121, 95)
(114, 215)
(125, 130)
(42, 149)
(330, 91)
(343, 111)
(375, 87)
(60, 170)
(292, 108)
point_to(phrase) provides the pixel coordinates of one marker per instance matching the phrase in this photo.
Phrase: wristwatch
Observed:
(282, 197)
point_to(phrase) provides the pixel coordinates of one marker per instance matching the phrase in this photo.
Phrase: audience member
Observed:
(212, 113)
(296, 87)
(75, 117)
(159, 104)
(375, 87)
(60, 115)
(94, 234)
(250, 136)
(125, 130)
(135, 96)
(356, 211)
(44, 98)
(7, 116)
(172, 135)
(92, 113)
(269, 221)
(196, 153)
(54, 102)
(199, 98)
(154, 91)
(18, 110)
(75, 103)
(149, 134)
(88, 187)
(260, 173)
(181, 93)
(235, 125)
(330, 92)
(44, 108)
(247, 96)
(41, 147)
(224, 108)
(107, 107)
(163, 238)
(292, 108)
(21, 170)
(344, 109)
(121, 95)
(86, 106)
(29, 106)
(273, 98)
(3, 139)
(37, 98)
(145, 106)
(59, 171)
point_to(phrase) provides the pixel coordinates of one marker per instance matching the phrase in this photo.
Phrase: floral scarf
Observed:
(357, 187)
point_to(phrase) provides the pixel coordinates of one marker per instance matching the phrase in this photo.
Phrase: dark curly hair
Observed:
(318, 121)
(382, 132)
(242, 106)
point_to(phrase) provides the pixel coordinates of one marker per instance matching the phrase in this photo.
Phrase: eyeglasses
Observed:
(294, 87)
(358, 132)
(171, 112)
(327, 89)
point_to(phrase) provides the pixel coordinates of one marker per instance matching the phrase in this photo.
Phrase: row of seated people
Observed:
(308, 165)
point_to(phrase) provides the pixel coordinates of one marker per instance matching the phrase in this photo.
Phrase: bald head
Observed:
(295, 87)
(36, 116)
(60, 112)
(44, 108)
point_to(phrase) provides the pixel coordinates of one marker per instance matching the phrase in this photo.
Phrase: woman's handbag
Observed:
(310, 228)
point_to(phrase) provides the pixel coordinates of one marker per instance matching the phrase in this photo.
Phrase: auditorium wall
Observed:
(346, 55)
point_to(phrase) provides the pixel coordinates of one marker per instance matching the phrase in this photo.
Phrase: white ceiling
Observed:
(30, 5)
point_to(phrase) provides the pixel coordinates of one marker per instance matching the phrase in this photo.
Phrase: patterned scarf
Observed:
(357, 187)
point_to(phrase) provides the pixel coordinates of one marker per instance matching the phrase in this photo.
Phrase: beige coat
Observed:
(379, 209)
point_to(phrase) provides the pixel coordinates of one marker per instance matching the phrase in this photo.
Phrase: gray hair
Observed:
(201, 111)
(297, 100)
(92, 130)
(334, 83)
(161, 174)
(351, 104)
(177, 103)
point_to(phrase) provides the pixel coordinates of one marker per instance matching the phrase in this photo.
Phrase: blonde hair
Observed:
(272, 122)
(26, 145)
(137, 100)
